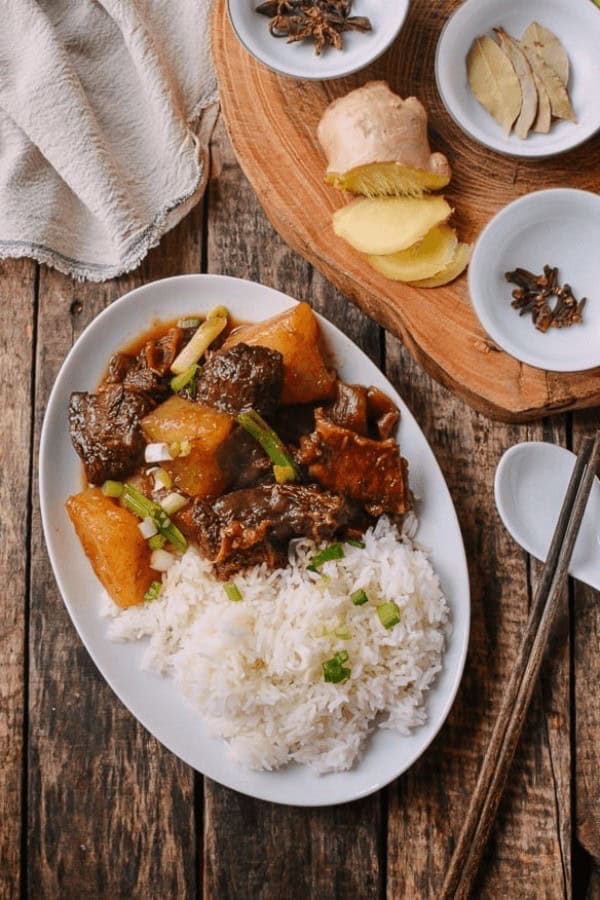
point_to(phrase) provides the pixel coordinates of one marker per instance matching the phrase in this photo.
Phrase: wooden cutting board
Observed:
(272, 123)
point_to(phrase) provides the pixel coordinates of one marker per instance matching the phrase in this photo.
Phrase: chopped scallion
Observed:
(190, 322)
(354, 543)
(153, 591)
(173, 502)
(112, 488)
(334, 670)
(343, 634)
(157, 542)
(269, 441)
(178, 382)
(217, 312)
(157, 452)
(232, 591)
(284, 474)
(334, 551)
(140, 506)
(199, 344)
(359, 597)
(389, 614)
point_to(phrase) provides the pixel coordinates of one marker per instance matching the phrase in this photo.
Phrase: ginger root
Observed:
(376, 144)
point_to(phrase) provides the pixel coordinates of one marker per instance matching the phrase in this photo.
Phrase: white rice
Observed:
(254, 668)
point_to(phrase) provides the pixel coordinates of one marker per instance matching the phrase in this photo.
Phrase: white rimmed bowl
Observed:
(154, 700)
(575, 22)
(298, 60)
(559, 227)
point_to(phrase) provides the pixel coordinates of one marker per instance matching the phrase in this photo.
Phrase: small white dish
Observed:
(156, 701)
(557, 227)
(298, 60)
(530, 485)
(577, 25)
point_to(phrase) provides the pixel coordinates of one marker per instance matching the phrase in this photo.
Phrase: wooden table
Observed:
(91, 806)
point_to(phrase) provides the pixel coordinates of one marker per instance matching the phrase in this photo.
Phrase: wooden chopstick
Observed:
(509, 724)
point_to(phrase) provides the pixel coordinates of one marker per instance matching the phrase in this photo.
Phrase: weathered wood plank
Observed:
(255, 849)
(111, 813)
(428, 803)
(586, 658)
(17, 313)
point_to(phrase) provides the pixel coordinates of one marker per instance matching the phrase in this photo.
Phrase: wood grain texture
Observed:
(428, 803)
(17, 311)
(586, 663)
(111, 812)
(286, 168)
(255, 849)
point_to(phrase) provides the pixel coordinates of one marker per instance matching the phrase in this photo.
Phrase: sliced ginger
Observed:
(455, 267)
(422, 260)
(389, 224)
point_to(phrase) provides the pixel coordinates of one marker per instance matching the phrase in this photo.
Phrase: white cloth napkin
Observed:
(100, 128)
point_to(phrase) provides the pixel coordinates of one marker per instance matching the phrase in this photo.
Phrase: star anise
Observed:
(322, 21)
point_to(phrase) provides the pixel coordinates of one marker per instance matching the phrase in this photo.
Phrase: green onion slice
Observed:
(334, 551)
(232, 591)
(271, 443)
(178, 382)
(157, 541)
(191, 322)
(359, 597)
(333, 669)
(153, 591)
(389, 614)
(140, 506)
(112, 488)
(354, 543)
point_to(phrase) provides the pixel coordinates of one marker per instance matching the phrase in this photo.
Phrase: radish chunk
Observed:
(112, 542)
(389, 224)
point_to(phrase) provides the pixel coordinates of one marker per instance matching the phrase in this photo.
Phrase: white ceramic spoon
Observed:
(531, 481)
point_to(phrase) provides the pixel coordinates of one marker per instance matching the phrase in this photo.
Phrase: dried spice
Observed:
(322, 21)
(494, 81)
(548, 46)
(529, 105)
(522, 84)
(534, 293)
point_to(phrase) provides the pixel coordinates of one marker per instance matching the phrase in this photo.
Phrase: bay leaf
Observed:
(494, 81)
(544, 113)
(560, 104)
(529, 106)
(548, 46)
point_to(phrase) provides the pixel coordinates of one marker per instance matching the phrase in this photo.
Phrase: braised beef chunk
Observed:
(369, 472)
(105, 431)
(119, 365)
(349, 409)
(244, 461)
(159, 355)
(291, 422)
(383, 414)
(255, 525)
(149, 371)
(242, 378)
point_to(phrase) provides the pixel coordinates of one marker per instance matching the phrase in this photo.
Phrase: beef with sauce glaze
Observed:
(369, 472)
(106, 433)
(242, 378)
(255, 525)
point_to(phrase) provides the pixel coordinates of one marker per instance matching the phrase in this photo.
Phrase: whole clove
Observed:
(322, 21)
(534, 293)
